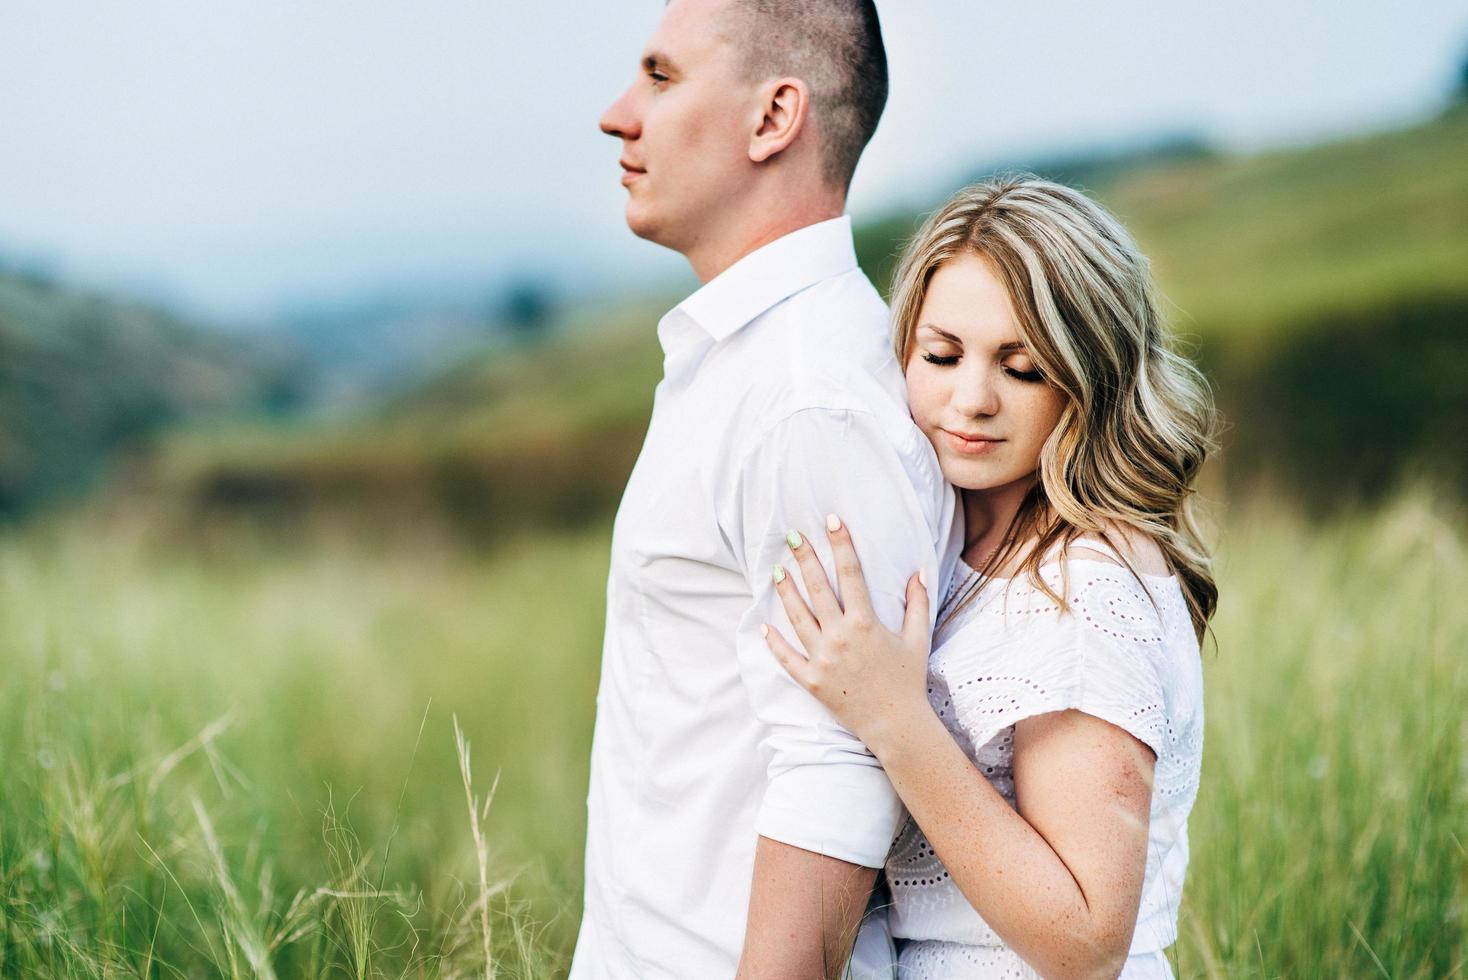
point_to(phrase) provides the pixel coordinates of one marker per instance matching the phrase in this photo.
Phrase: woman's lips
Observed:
(971, 445)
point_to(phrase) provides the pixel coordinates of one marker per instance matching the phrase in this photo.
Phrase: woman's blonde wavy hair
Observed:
(1138, 420)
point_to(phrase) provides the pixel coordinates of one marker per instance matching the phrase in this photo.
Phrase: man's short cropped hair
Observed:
(835, 47)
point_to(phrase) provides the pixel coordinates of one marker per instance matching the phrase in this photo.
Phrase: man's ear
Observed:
(786, 113)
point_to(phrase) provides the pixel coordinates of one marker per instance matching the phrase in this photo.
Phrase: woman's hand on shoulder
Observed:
(873, 680)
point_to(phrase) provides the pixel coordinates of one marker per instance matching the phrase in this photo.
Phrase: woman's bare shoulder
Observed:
(1137, 549)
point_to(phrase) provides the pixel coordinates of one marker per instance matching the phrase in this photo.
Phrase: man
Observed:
(733, 825)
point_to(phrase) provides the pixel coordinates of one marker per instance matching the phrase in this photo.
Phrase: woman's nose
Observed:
(976, 394)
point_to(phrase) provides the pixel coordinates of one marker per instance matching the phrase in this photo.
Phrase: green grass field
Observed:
(242, 763)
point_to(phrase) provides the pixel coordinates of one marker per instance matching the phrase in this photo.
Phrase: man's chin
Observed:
(643, 225)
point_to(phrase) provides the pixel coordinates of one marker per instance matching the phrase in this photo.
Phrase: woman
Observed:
(1048, 751)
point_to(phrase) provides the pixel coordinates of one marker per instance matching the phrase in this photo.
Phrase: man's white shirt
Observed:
(781, 402)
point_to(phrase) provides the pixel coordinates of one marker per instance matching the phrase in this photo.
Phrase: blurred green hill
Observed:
(1325, 290)
(83, 377)
(542, 435)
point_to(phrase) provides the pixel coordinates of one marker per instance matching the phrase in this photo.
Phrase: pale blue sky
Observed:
(240, 155)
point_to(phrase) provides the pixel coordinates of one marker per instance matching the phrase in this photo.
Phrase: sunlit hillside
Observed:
(1248, 246)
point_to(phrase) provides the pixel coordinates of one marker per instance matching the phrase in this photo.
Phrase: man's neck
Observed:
(712, 256)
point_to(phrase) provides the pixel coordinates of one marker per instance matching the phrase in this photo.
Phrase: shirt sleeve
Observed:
(826, 792)
(1109, 656)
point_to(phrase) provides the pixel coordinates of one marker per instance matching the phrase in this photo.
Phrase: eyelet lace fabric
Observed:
(940, 959)
(1124, 652)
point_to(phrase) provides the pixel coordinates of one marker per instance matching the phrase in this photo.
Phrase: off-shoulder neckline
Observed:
(1170, 576)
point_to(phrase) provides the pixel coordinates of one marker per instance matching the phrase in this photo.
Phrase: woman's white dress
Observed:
(1125, 652)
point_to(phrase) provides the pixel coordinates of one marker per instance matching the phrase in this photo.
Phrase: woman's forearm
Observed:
(1008, 872)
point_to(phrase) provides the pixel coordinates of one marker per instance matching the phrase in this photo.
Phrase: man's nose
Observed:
(620, 120)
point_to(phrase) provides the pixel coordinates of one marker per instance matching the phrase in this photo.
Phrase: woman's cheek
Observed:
(920, 395)
(1037, 426)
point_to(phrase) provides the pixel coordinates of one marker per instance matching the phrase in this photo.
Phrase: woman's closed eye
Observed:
(1027, 375)
(1030, 377)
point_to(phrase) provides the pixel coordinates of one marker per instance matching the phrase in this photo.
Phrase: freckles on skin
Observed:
(968, 322)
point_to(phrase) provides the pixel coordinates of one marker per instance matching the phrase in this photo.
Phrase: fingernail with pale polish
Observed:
(922, 578)
(833, 523)
(792, 538)
(764, 631)
(779, 574)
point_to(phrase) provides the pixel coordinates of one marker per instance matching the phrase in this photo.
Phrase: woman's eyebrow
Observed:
(942, 333)
(1012, 346)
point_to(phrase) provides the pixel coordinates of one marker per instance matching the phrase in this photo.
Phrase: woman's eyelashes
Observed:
(948, 360)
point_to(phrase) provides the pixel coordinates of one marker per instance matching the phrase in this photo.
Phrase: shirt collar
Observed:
(770, 274)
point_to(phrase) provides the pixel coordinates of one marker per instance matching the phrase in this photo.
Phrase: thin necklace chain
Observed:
(959, 594)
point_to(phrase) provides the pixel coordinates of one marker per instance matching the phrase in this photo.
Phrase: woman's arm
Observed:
(1060, 881)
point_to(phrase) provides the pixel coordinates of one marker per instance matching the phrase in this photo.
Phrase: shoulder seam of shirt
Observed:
(794, 413)
(927, 470)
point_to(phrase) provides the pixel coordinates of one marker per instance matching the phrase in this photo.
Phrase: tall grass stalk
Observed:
(481, 846)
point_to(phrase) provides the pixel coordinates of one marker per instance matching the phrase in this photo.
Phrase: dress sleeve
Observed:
(1106, 655)
(825, 791)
